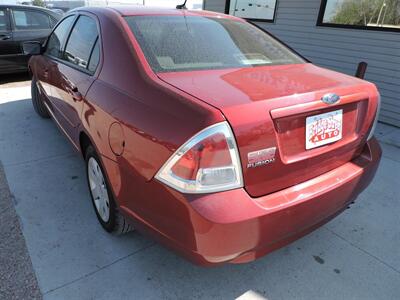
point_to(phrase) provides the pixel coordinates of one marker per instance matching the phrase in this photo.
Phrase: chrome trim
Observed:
(331, 98)
(378, 110)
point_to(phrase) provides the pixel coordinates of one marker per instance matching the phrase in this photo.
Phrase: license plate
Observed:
(324, 129)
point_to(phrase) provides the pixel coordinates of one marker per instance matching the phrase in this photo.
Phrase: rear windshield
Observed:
(188, 43)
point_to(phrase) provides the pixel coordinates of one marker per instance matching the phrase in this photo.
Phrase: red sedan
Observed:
(203, 130)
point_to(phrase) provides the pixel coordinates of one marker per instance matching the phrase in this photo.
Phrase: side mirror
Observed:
(32, 48)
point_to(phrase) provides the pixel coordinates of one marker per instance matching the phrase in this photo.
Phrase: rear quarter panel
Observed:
(155, 119)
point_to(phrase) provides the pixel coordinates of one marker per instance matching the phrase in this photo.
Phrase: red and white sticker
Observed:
(324, 129)
(261, 157)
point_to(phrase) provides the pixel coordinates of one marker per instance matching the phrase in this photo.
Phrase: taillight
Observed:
(208, 162)
(378, 110)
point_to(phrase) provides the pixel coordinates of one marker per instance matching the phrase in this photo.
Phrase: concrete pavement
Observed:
(355, 256)
(17, 278)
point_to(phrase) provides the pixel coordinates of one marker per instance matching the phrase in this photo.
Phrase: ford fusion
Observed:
(204, 131)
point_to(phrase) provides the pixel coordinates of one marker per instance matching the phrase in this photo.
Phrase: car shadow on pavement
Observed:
(13, 78)
(74, 258)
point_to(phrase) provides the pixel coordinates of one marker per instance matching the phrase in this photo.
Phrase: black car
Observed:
(18, 24)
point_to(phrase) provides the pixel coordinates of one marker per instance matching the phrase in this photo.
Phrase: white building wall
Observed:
(8, 1)
(338, 48)
(215, 5)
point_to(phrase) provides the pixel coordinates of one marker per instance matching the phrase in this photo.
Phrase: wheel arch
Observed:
(84, 142)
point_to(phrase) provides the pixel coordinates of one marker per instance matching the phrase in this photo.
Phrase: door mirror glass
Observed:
(32, 48)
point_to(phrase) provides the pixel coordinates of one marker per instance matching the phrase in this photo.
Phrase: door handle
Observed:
(4, 37)
(76, 95)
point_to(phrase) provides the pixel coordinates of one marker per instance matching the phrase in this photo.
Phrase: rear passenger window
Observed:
(30, 20)
(57, 38)
(94, 57)
(81, 42)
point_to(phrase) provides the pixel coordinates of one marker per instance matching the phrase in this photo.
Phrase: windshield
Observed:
(188, 43)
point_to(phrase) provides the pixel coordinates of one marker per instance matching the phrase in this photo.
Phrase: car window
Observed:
(57, 38)
(3, 20)
(94, 57)
(53, 22)
(30, 20)
(206, 43)
(81, 42)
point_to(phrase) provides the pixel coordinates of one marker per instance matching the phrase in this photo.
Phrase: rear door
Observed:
(28, 25)
(8, 49)
(73, 73)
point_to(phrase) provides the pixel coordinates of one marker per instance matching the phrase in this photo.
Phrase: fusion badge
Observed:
(261, 157)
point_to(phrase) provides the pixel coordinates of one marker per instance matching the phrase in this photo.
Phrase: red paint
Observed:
(266, 108)
(116, 139)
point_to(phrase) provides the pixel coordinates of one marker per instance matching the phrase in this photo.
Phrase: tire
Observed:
(37, 102)
(103, 201)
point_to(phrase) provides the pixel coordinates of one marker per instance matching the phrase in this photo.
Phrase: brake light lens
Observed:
(208, 162)
(378, 110)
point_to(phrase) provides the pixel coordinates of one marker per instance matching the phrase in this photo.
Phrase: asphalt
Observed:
(355, 256)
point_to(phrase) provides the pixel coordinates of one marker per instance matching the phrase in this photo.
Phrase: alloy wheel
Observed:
(98, 189)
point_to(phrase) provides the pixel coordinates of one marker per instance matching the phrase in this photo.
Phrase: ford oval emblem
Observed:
(330, 98)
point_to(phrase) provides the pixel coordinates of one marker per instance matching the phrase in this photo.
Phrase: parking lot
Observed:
(355, 256)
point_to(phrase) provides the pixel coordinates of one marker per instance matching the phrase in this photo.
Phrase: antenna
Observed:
(182, 6)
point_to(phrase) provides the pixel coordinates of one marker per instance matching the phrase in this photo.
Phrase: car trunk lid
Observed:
(268, 108)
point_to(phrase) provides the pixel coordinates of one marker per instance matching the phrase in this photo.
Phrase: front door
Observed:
(48, 62)
(73, 74)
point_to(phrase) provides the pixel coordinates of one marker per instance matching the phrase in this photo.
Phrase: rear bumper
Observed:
(241, 228)
(233, 227)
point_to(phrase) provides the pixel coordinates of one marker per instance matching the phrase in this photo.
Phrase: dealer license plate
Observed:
(324, 129)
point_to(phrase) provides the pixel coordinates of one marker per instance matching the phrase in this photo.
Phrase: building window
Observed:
(361, 14)
(259, 10)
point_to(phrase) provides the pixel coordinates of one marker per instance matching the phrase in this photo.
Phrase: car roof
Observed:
(43, 9)
(140, 10)
(23, 6)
